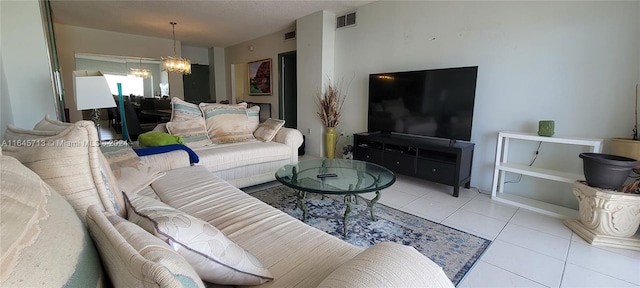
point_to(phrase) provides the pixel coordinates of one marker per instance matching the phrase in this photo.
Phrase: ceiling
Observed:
(199, 23)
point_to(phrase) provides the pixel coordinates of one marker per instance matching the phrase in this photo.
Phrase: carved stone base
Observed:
(607, 218)
(632, 243)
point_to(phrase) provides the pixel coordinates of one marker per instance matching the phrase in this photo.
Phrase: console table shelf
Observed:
(502, 165)
(543, 173)
(438, 160)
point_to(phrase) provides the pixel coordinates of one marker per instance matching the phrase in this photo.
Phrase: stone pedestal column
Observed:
(607, 218)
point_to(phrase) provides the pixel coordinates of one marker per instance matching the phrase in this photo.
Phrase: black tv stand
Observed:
(447, 162)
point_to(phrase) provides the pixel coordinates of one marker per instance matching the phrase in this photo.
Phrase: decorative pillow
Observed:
(153, 139)
(162, 127)
(131, 172)
(216, 258)
(50, 124)
(253, 115)
(72, 164)
(183, 110)
(268, 129)
(135, 258)
(15, 136)
(226, 123)
(44, 243)
(193, 132)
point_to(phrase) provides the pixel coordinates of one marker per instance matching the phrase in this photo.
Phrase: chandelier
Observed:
(175, 63)
(139, 72)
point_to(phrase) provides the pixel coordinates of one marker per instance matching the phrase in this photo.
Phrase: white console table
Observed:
(502, 166)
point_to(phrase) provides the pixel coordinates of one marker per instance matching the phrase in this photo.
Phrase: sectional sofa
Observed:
(65, 222)
(231, 142)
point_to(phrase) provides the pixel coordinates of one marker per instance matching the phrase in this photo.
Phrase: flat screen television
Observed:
(433, 103)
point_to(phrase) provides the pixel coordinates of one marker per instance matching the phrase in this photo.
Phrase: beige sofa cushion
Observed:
(296, 254)
(51, 124)
(226, 123)
(131, 172)
(233, 155)
(73, 165)
(34, 252)
(135, 258)
(193, 131)
(209, 251)
(388, 264)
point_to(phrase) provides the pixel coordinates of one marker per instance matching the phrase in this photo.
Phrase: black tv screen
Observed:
(433, 103)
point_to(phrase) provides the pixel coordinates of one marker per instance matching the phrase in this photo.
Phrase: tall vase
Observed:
(330, 142)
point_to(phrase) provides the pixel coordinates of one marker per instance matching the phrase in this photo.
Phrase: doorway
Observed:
(288, 98)
(196, 84)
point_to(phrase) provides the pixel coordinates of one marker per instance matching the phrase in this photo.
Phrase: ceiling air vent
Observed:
(346, 20)
(290, 35)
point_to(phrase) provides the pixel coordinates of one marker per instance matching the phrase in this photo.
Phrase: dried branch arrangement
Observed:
(330, 104)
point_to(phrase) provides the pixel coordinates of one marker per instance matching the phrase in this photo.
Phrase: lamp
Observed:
(175, 63)
(92, 92)
(142, 73)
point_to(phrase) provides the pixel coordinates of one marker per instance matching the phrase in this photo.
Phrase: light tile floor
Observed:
(528, 249)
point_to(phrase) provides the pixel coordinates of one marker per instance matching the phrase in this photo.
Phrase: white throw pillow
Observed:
(19, 137)
(50, 124)
(214, 257)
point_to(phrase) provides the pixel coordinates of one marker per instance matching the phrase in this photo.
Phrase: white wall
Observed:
(266, 47)
(574, 62)
(72, 39)
(315, 40)
(197, 55)
(27, 90)
(219, 69)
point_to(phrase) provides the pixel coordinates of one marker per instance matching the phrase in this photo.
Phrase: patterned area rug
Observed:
(454, 250)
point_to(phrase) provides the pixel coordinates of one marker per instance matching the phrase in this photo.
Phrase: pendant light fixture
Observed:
(175, 63)
(142, 73)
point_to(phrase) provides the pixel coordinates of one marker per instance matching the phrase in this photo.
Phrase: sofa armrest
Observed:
(388, 265)
(292, 138)
(168, 161)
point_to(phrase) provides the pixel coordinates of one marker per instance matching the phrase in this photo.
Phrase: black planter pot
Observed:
(606, 171)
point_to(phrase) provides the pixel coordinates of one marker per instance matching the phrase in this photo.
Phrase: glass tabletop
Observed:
(351, 176)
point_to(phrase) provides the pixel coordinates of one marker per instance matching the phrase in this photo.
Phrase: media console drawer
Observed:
(400, 163)
(369, 155)
(436, 171)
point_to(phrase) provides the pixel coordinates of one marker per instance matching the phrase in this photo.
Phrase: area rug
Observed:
(456, 251)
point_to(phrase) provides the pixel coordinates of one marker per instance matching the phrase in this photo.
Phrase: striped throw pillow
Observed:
(193, 132)
(253, 115)
(268, 129)
(226, 123)
(183, 110)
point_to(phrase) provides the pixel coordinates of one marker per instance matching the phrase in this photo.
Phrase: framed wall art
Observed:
(260, 77)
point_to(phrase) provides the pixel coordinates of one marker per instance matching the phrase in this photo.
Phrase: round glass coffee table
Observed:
(336, 176)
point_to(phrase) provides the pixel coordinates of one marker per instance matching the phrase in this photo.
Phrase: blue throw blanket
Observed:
(193, 157)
